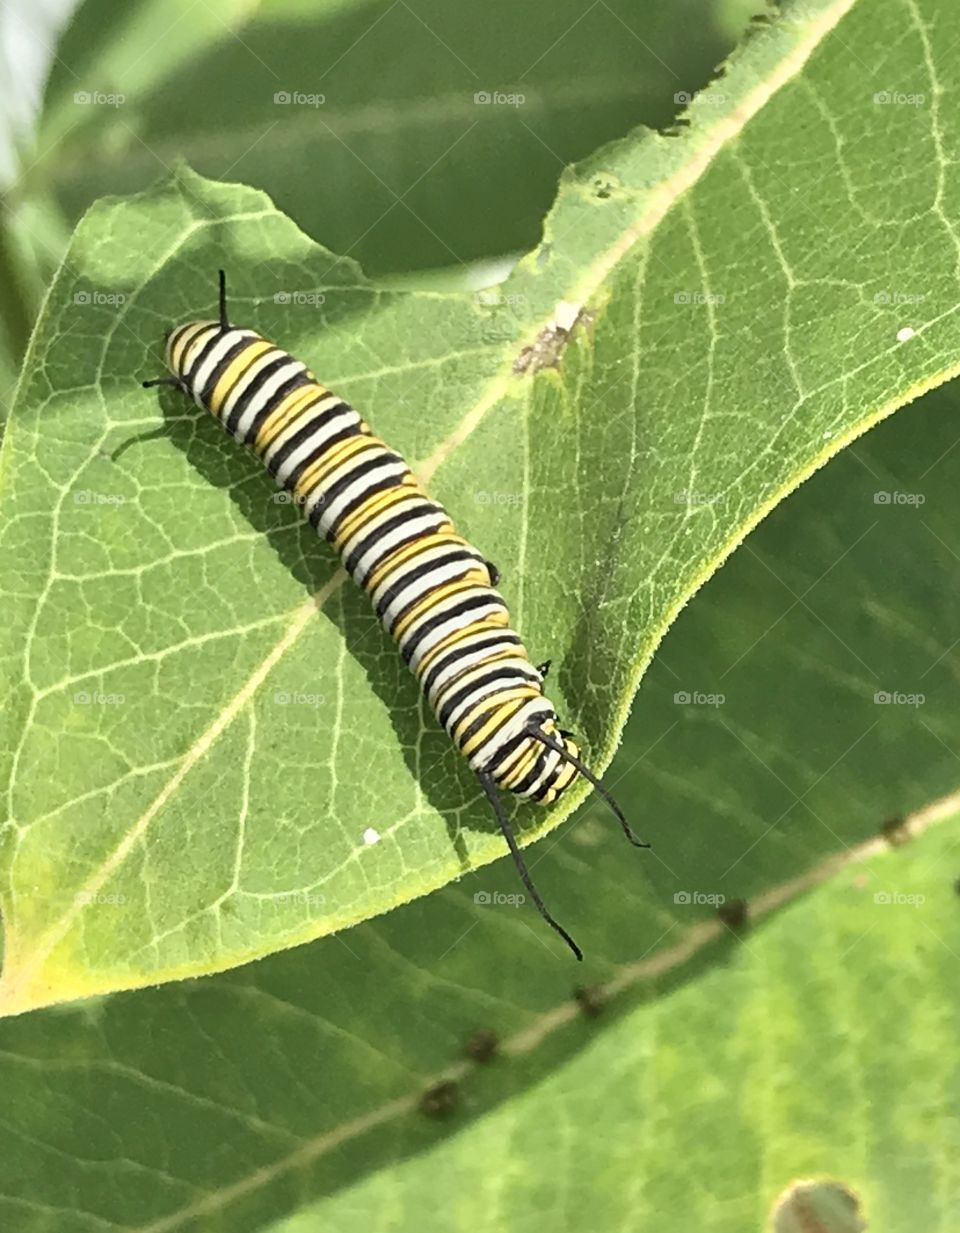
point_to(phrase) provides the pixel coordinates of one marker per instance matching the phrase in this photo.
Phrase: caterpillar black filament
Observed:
(432, 591)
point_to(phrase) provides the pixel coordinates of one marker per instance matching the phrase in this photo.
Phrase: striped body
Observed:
(431, 590)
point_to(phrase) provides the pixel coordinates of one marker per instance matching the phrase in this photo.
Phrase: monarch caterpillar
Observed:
(432, 591)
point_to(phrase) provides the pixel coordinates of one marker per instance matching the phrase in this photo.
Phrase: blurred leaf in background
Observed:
(28, 34)
(365, 120)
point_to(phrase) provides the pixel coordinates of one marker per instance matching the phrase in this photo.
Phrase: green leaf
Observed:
(171, 811)
(805, 700)
(286, 1096)
(407, 170)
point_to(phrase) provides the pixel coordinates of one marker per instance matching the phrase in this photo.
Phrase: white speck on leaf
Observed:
(565, 315)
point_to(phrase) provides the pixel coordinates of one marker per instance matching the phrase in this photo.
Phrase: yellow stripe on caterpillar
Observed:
(235, 370)
(335, 457)
(373, 506)
(286, 411)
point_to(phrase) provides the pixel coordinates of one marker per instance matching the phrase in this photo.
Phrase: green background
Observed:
(724, 1065)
